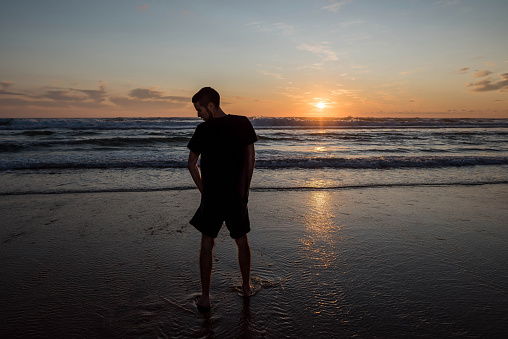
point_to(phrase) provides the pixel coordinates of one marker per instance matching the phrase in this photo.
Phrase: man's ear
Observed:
(211, 106)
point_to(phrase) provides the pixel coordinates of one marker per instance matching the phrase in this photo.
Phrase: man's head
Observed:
(206, 102)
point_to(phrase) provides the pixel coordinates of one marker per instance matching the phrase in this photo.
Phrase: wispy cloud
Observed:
(322, 49)
(96, 95)
(335, 6)
(463, 70)
(4, 86)
(450, 2)
(47, 97)
(280, 27)
(350, 23)
(143, 7)
(487, 85)
(275, 75)
(481, 73)
(54, 97)
(149, 98)
(145, 93)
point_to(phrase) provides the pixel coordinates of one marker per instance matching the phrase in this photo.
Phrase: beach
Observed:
(417, 261)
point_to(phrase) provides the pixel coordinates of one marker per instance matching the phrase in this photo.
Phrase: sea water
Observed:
(143, 154)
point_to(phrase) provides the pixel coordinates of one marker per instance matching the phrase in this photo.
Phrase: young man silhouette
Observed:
(226, 146)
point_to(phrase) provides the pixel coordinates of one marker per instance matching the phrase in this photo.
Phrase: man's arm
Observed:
(192, 165)
(250, 159)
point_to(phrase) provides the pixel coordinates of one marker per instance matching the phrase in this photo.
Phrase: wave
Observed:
(258, 122)
(99, 123)
(388, 162)
(102, 142)
(34, 133)
(360, 122)
(255, 189)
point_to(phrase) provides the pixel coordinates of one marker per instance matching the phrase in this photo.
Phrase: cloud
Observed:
(52, 94)
(275, 75)
(53, 97)
(481, 73)
(323, 50)
(448, 2)
(73, 95)
(281, 27)
(349, 23)
(463, 70)
(148, 98)
(487, 85)
(284, 28)
(335, 6)
(98, 96)
(63, 95)
(4, 86)
(150, 94)
(144, 93)
(143, 7)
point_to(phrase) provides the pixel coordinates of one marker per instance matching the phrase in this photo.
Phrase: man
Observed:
(226, 146)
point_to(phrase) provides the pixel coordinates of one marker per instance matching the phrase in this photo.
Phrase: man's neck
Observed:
(219, 113)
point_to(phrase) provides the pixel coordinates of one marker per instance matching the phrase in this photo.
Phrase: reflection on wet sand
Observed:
(244, 328)
(322, 231)
(322, 247)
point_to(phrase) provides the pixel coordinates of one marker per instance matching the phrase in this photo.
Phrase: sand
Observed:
(385, 262)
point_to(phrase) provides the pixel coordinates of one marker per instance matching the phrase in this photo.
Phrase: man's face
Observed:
(203, 112)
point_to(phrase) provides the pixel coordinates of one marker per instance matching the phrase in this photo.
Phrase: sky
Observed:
(310, 58)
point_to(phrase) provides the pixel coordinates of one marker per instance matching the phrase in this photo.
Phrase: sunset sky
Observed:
(378, 58)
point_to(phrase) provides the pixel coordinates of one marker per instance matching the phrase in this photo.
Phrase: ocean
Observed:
(150, 154)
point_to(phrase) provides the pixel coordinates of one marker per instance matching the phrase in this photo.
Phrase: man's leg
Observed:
(205, 269)
(244, 261)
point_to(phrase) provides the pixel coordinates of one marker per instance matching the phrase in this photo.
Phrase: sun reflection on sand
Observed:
(322, 247)
(321, 228)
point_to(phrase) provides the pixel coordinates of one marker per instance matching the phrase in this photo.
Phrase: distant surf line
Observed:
(258, 189)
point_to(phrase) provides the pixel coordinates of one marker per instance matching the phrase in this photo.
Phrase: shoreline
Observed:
(262, 189)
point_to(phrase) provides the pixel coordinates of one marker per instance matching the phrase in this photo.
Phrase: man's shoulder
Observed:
(238, 118)
(201, 126)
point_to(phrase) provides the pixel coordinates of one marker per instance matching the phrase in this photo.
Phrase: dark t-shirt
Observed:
(222, 142)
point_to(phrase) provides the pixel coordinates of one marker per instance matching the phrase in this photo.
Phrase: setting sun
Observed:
(320, 105)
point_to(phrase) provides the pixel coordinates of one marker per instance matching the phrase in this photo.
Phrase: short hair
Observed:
(205, 96)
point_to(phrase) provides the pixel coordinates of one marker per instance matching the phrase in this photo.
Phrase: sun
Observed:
(320, 105)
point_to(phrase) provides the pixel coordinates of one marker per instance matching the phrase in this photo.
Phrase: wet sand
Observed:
(371, 262)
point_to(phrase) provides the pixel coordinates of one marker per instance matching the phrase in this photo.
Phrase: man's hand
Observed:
(192, 165)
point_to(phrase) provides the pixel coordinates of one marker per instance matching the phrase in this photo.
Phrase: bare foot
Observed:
(203, 303)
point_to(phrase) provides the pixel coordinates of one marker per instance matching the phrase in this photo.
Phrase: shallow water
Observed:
(375, 262)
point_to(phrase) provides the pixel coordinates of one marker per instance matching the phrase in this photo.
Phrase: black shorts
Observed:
(213, 211)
